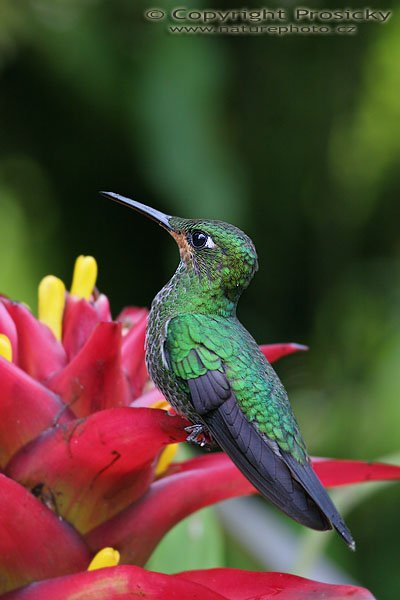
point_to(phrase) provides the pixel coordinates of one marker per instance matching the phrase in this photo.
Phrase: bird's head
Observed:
(213, 250)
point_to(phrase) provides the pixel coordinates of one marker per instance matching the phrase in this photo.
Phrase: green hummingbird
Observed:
(211, 370)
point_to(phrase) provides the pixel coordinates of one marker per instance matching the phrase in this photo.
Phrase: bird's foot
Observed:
(197, 435)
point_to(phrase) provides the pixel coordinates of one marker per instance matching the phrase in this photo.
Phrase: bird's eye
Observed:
(199, 239)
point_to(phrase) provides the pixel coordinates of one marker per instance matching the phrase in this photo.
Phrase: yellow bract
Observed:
(84, 277)
(161, 404)
(168, 454)
(107, 557)
(5, 347)
(51, 303)
(166, 458)
(52, 292)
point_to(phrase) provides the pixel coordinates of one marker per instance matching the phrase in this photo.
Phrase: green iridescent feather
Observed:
(227, 347)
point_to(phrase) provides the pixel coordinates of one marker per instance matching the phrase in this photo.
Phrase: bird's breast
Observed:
(156, 360)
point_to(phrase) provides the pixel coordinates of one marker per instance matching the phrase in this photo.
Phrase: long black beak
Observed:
(160, 218)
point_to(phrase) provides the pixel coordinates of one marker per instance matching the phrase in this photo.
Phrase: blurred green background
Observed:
(294, 139)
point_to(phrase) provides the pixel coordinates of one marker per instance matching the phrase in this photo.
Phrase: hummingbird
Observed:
(211, 370)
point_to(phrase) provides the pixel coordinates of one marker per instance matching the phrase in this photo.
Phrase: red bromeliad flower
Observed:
(85, 455)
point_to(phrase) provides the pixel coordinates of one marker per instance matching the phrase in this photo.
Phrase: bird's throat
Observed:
(184, 247)
(189, 292)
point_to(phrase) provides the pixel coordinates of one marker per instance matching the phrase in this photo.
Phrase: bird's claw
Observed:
(196, 435)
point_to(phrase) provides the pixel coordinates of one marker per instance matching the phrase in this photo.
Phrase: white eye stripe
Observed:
(210, 242)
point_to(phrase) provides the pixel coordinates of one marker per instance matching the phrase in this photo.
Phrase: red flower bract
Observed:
(79, 447)
(213, 584)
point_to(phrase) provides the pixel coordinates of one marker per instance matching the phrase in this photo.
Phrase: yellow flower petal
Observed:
(107, 557)
(5, 347)
(51, 303)
(84, 277)
(166, 458)
(168, 454)
(161, 404)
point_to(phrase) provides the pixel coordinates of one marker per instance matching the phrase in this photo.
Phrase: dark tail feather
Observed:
(293, 488)
(310, 482)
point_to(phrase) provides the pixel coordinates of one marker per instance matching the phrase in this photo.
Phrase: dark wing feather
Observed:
(253, 455)
(292, 487)
(208, 392)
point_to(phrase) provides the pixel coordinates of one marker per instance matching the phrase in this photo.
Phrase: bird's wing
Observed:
(197, 354)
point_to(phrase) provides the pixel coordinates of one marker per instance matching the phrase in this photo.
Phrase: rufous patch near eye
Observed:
(184, 247)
